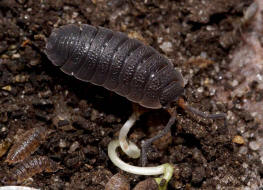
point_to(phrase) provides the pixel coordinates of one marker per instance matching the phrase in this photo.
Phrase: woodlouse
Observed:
(26, 144)
(115, 61)
(126, 66)
(31, 166)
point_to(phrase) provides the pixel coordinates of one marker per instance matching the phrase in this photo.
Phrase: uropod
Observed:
(125, 66)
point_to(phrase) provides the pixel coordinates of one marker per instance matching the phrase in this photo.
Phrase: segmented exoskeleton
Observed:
(26, 144)
(115, 61)
(31, 166)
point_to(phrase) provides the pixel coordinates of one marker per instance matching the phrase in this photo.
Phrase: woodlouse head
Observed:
(174, 91)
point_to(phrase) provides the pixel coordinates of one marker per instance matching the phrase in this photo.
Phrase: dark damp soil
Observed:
(196, 35)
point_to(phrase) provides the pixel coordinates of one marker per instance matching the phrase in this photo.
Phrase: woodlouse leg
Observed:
(146, 144)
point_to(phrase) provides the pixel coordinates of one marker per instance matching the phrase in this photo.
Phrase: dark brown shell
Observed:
(115, 61)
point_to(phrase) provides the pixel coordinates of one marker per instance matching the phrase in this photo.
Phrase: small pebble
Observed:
(148, 184)
(238, 140)
(94, 115)
(20, 78)
(12, 47)
(243, 150)
(118, 182)
(7, 88)
(178, 185)
(200, 89)
(60, 120)
(253, 145)
(166, 46)
(16, 56)
(34, 62)
(234, 83)
(62, 143)
(74, 147)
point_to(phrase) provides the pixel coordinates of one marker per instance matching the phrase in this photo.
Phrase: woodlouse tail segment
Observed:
(199, 113)
(56, 50)
(50, 49)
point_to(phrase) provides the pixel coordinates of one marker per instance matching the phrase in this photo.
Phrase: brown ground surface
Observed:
(34, 92)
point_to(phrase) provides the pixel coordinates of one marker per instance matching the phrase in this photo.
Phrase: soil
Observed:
(198, 37)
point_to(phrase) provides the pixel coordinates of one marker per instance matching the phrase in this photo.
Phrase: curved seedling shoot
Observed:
(165, 169)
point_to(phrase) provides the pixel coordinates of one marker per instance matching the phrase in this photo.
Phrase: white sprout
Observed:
(129, 147)
(165, 169)
(17, 188)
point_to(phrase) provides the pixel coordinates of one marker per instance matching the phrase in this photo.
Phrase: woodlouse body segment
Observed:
(32, 166)
(26, 144)
(115, 61)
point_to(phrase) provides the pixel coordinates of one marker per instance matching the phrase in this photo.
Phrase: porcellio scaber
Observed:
(32, 166)
(126, 66)
(115, 61)
(26, 144)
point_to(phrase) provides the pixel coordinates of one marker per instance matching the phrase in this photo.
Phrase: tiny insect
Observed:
(30, 167)
(126, 66)
(26, 144)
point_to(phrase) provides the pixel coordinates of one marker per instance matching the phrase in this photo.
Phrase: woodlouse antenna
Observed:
(185, 106)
